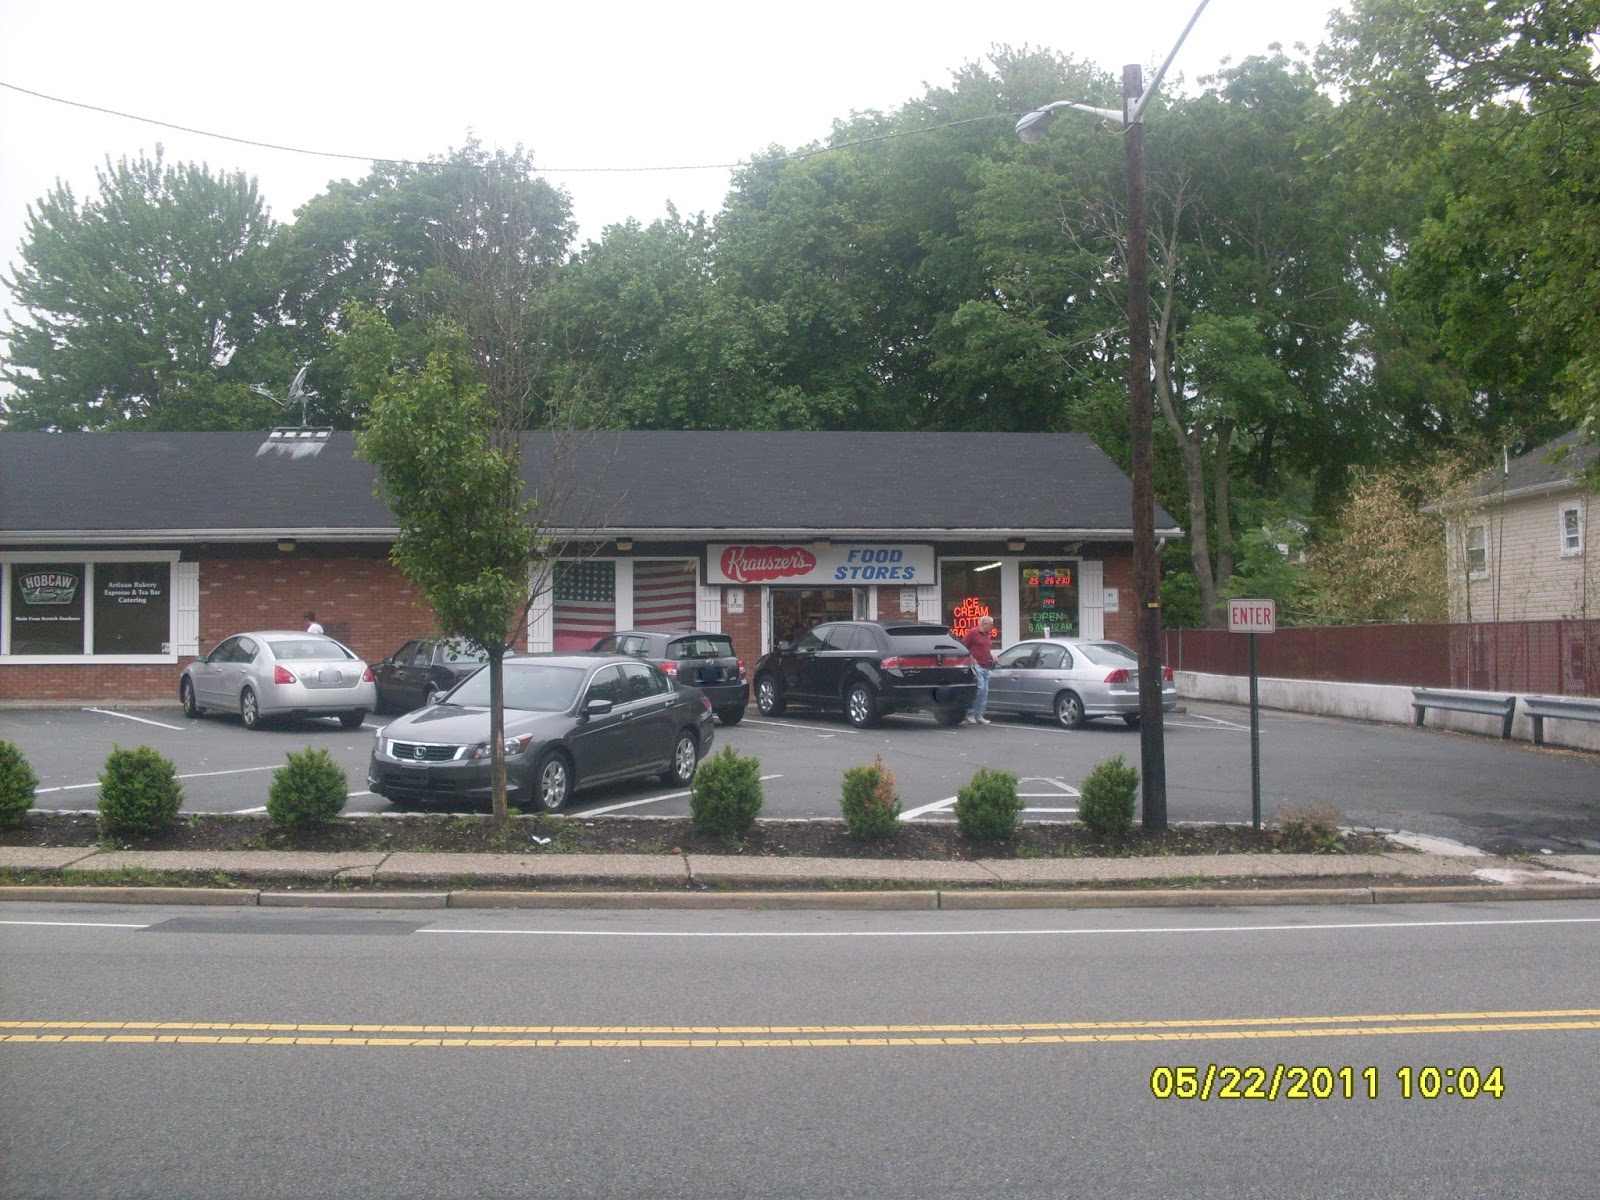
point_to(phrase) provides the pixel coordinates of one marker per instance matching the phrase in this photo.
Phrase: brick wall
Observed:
(364, 602)
(1121, 625)
(744, 628)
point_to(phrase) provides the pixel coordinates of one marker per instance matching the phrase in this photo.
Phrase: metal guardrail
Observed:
(1542, 708)
(1504, 707)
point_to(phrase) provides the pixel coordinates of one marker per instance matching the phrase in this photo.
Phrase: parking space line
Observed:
(106, 712)
(911, 814)
(828, 731)
(595, 812)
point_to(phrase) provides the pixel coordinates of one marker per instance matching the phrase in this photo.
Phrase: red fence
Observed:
(1556, 658)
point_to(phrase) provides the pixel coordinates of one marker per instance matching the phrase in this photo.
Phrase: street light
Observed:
(1146, 568)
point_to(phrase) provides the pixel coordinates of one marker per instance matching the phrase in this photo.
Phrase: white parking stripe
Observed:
(821, 731)
(595, 812)
(106, 712)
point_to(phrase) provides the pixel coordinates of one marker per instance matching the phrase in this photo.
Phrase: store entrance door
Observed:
(795, 610)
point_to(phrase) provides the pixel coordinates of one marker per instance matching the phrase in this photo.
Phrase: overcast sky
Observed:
(627, 105)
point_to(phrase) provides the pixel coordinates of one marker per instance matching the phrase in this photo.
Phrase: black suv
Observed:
(705, 660)
(869, 669)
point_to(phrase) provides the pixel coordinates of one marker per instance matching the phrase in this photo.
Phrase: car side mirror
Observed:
(784, 645)
(597, 708)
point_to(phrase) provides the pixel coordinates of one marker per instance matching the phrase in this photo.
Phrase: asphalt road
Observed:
(1482, 791)
(266, 1053)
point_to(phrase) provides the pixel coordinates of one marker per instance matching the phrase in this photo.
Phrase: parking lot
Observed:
(1477, 790)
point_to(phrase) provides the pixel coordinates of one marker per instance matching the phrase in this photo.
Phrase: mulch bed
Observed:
(660, 835)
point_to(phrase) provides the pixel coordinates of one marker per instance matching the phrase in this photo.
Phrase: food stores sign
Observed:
(799, 564)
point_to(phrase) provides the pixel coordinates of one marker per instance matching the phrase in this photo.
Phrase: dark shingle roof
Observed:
(1532, 472)
(220, 486)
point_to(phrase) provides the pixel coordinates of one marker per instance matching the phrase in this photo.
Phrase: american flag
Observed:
(585, 604)
(664, 595)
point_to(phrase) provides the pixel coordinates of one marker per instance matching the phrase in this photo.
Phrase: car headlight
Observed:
(514, 745)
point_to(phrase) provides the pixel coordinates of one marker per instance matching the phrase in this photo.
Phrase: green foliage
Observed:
(148, 306)
(17, 784)
(308, 790)
(139, 792)
(726, 795)
(988, 806)
(1106, 798)
(1310, 827)
(871, 805)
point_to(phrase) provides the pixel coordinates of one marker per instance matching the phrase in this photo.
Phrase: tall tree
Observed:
(394, 241)
(1481, 123)
(144, 306)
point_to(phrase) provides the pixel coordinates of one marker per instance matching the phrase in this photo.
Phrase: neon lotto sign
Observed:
(964, 616)
(848, 564)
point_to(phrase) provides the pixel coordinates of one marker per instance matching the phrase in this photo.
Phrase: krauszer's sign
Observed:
(844, 564)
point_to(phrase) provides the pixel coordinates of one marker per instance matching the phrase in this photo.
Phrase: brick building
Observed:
(124, 555)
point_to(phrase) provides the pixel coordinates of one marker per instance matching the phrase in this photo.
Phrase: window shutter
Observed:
(1091, 598)
(710, 608)
(186, 603)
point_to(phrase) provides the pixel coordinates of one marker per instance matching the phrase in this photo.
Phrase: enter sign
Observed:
(1252, 616)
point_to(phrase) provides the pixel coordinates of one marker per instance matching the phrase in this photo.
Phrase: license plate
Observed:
(333, 676)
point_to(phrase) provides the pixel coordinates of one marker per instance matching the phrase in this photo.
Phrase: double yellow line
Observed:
(676, 1037)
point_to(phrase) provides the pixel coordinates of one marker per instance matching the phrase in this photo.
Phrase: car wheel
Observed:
(552, 782)
(1131, 720)
(186, 694)
(951, 715)
(769, 697)
(730, 716)
(685, 758)
(1069, 710)
(249, 709)
(353, 720)
(861, 705)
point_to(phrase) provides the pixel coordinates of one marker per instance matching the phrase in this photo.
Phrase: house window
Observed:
(1571, 530)
(1477, 546)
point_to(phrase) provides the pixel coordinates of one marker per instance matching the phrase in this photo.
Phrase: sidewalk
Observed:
(411, 880)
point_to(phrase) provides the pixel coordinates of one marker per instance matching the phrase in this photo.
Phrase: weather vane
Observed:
(297, 391)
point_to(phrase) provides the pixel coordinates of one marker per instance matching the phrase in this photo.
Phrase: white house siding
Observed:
(1529, 578)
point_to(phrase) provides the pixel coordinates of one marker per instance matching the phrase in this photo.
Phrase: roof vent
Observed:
(295, 441)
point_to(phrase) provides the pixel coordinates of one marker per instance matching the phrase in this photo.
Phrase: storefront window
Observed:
(45, 608)
(87, 608)
(970, 590)
(1049, 599)
(585, 607)
(131, 608)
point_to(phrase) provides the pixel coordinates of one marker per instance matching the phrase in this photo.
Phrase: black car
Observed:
(422, 670)
(705, 660)
(571, 720)
(868, 669)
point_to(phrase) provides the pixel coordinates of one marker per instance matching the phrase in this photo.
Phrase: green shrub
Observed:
(1310, 827)
(1107, 798)
(726, 794)
(309, 789)
(17, 782)
(139, 792)
(871, 805)
(987, 808)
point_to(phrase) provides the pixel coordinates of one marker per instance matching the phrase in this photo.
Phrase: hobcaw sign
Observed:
(844, 565)
(1252, 616)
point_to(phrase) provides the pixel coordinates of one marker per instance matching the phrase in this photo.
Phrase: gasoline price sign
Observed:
(1252, 616)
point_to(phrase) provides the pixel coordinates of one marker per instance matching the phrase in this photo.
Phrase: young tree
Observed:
(144, 305)
(447, 436)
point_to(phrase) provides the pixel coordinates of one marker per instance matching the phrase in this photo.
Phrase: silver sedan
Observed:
(1072, 680)
(279, 673)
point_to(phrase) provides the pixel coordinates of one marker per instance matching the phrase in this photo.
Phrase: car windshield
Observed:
(1107, 654)
(532, 687)
(701, 647)
(304, 649)
(458, 653)
(927, 639)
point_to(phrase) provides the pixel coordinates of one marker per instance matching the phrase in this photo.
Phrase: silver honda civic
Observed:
(1071, 680)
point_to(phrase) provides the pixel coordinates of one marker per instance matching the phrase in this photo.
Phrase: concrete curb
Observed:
(880, 901)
